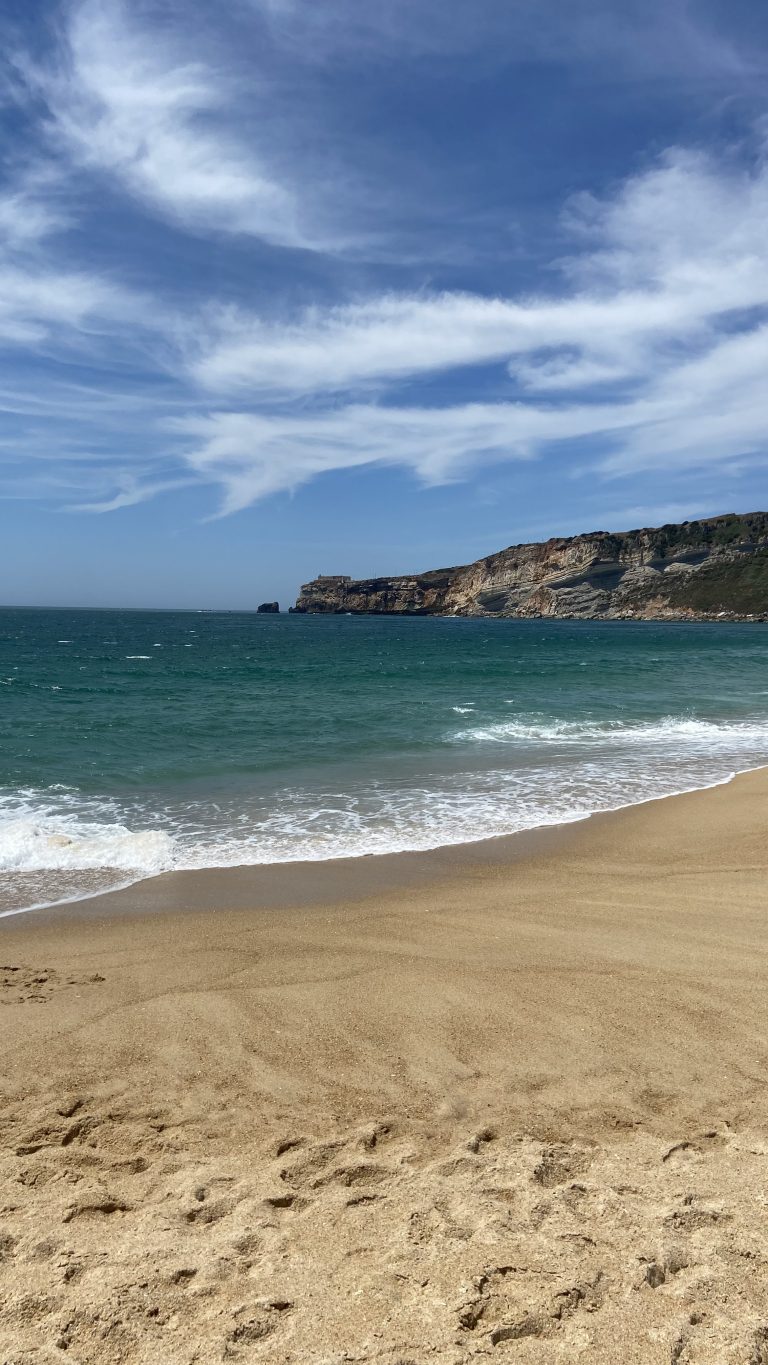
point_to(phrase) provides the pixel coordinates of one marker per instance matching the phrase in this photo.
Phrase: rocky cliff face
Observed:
(695, 570)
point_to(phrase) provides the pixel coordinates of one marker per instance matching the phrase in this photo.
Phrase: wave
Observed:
(38, 833)
(687, 731)
(57, 844)
(91, 859)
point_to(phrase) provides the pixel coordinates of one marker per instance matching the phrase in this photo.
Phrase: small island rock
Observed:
(273, 607)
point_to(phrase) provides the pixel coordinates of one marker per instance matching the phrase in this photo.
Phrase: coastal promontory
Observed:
(708, 569)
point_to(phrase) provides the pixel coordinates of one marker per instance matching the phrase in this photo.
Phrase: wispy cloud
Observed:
(676, 249)
(132, 491)
(699, 414)
(655, 349)
(39, 295)
(35, 303)
(254, 455)
(647, 350)
(637, 37)
(131, 101)
(30, 209)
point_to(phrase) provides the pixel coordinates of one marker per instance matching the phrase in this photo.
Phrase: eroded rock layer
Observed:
(697, 569)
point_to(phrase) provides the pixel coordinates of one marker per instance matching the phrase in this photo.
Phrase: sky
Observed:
(370, 286)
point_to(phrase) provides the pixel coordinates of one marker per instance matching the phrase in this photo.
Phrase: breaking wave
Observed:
(689, 734)
(514, 775)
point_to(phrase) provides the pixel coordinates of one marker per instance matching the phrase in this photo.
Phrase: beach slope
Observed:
(512, 1107)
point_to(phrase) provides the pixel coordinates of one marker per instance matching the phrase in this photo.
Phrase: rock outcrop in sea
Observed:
(710, 569)
(272, 607)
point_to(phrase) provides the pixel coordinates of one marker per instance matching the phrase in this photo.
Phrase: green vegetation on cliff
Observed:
(737, 585)
(708, 568)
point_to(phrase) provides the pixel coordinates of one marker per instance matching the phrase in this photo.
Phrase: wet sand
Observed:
(504, 1102)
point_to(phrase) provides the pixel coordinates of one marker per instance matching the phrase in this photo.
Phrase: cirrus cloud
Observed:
(139, 105)
(638, 345)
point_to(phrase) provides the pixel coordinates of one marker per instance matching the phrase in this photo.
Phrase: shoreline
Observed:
(516, 1111)
(718, 618)
(395, 870)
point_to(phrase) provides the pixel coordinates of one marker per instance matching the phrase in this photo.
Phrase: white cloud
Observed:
(42, 296)
(709, 411)
(635, 37)
(691, 218)
(39, 296)
(649, 352)
(132, 491)
(659, 264)
(698, 414)
(35, 303)
(255, 455)
(29, 211)
(668, 302)
(130, 102)
(668, 294)
(393, 337)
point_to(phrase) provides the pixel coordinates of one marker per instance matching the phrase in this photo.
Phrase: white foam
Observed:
(42, 841)
(303, 827)
(689, 733)
(563, 771)
(138, 656)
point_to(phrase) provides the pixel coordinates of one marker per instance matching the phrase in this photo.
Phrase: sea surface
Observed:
(136, 742)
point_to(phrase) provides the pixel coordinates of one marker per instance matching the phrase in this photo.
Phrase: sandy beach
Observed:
(506, 1102)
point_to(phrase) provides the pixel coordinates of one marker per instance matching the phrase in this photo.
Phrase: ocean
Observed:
(135, 742)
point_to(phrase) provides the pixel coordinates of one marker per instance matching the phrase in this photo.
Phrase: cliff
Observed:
(696, 570)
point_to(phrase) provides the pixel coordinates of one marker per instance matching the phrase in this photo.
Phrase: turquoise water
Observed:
(134, 742)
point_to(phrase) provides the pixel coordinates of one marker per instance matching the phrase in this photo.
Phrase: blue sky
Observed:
(290, 287)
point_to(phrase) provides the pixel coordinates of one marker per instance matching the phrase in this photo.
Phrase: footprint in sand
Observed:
(183, 1277)
(311, 1163)
(376, 1135)
(285, 1201)
(261, 1323)
(21, 985)
(360, 1173)
(694, 1216)
(560, 1164)
(289, 1144)
(490, 1305)
(662, 1269)
(204, 1214)
(693, 1147)
(100, 1208)
(481, 1139)
(249, 1244)
(318, 1165)
(529, 1326)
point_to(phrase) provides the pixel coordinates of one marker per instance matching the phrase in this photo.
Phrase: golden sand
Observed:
(507, 1105)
